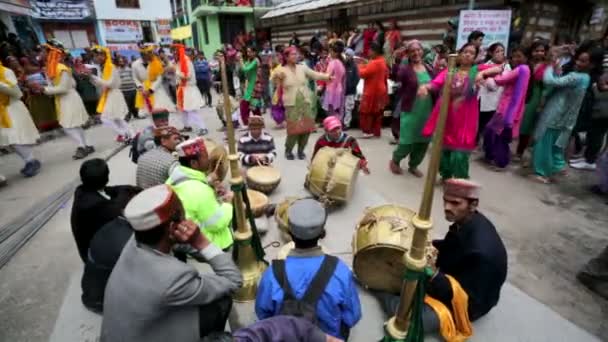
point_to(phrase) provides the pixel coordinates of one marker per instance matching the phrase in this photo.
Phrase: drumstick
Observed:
(219, 162)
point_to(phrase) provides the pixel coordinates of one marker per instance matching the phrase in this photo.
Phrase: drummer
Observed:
(256, 147)
(335, 137)
(471, 265)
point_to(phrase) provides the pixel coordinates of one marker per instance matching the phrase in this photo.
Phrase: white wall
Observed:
(148, 10)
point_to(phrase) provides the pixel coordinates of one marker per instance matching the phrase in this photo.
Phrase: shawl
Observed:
(108, 68)
(5, 119)
(515, 106)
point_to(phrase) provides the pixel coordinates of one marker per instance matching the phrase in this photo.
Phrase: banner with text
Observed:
(495, 24)
(58, 9)
(122, 31)
(163, 29)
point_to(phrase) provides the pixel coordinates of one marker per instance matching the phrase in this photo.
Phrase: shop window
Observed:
(76, 39)
(127, 3)
(147, 34)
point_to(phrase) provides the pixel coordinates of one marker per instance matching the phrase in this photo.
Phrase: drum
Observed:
(332, 175)
(382, 236)
(218, 158)
(258, 202)
(280, 215)
(263, 178)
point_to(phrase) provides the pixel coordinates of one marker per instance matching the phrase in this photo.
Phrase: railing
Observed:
(235, 3)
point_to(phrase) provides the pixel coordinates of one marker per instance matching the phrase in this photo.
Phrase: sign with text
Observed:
(163, 29)
(57, 9)
(495, 24)
(122, 31)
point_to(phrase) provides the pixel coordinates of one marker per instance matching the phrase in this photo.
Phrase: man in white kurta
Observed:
(71, 112)
(189, 98)
(16, 126)
(112, 106)
(147, 88)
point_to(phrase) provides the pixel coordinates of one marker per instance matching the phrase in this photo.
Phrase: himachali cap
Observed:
(463, 188)
(256, 121)
(306, 218)
(160, 117)
(191, 148)
(166, 131)
(152, 207)
(331, 122)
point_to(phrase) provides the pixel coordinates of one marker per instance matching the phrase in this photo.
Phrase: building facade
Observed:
(427, 19)
(218, 22)
(123, 23)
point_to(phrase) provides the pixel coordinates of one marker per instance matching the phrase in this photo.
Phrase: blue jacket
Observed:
(338, 305)
(202, 70)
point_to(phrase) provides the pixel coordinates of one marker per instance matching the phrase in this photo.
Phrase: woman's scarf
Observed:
(515, 107)
(5, 119)
(108, 68)
(183, 68)
(155, 70)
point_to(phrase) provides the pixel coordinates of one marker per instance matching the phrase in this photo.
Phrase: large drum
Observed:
(263, 178)
(258, 202)
(218, 158)
(332, 175)
(280, 215)
(382, 236)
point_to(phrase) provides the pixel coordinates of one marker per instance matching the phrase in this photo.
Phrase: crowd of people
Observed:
(134, 240)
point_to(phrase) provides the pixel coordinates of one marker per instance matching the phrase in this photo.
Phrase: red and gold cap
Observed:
(191, 148)
(463, 188)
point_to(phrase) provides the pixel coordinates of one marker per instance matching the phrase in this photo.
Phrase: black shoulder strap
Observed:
(319, 282)
(278, 269)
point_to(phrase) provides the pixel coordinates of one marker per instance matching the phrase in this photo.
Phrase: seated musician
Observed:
(335, 137)
(153, 297)
(155, 165)
(471, 262)
(200, 199)
(256, 147)
(310, 279)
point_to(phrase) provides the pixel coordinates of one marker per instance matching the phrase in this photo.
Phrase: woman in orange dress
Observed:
(375, 93)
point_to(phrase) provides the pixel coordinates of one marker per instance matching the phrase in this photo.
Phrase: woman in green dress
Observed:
(538, 64)
(414, 111)
(299, 101)
(252, 99)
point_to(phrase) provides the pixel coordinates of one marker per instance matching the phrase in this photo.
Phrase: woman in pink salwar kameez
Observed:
(463, 112)
(333, 99)
(504, 125)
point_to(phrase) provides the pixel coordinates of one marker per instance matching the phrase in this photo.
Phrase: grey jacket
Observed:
(151, 296)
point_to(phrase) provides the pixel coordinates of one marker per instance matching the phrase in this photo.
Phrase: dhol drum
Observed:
(258, 202)
(263, 178)
(382, 236)
(280, 215)
(218, 158)
(332, 175)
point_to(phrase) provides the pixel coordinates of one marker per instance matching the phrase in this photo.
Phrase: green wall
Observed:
(213, 28)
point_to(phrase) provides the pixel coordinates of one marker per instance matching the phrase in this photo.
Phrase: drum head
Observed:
(256, 198)
(381, 268)
(264, 174)
(218, 158)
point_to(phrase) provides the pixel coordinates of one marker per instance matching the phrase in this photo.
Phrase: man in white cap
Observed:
(151, 296)
(309, 283)
(191, 183)
(471, 264)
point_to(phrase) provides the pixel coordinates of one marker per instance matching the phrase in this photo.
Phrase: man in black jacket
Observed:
(95, 203)
(472, 253)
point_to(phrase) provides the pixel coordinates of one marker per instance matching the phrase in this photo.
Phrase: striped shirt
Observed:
(263, 145)
(126, 79)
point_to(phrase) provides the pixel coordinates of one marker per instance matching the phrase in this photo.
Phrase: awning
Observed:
(295, 6)
(181, 33)
(21, 7)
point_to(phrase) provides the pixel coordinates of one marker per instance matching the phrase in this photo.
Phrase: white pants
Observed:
(120, 126)
(193, 118)
(26, 152)
(77, 134)
(349, 105)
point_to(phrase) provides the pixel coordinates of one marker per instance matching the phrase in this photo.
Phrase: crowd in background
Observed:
(358, 75)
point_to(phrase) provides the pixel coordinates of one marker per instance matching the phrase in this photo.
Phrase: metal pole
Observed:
(415, 259)
(250, 267)
(471, 4)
